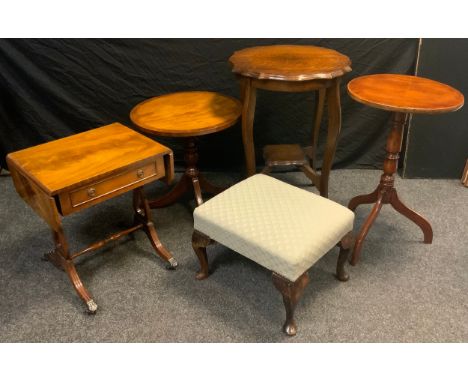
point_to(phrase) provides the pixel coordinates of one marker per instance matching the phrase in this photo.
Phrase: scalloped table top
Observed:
(405, 93)
(290, 63)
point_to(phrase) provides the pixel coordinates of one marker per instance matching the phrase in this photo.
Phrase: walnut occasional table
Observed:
(403, 95)
(65, 176)
(186, 115)
(292, 68)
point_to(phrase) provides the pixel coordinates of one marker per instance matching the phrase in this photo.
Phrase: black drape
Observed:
(51, 88)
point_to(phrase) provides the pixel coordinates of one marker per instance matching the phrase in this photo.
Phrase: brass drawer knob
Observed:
(140, 173)
(91, 192)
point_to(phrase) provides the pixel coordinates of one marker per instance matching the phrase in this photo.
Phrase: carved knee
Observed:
(346, 243)
(199, 244)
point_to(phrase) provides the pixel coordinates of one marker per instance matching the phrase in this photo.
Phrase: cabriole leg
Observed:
(291, 292)
(345, 245)
(199, 244)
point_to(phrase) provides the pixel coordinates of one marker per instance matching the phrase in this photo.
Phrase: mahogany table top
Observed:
(290, 62)
(67, 162)
(186, 114)
(404, 93)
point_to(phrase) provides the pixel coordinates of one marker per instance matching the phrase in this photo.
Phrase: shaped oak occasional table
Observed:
(187, 115)
(292, 68)
(65, 176)
(403, 95)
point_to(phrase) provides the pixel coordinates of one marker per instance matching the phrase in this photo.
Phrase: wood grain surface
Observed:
(68, 162)
(290, 63)
(404, 93)
(186, 114)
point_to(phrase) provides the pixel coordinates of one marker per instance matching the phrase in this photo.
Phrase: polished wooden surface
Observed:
(404, 93)
(89, 153)
(69, 162)
(186, 114)
(290, 63)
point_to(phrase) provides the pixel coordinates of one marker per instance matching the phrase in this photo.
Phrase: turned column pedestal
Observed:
(191, 181)
(402, 95)
(187, 115)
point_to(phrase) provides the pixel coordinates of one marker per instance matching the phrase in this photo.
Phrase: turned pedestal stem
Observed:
(403, 95)
(385, 193)
(191, 181)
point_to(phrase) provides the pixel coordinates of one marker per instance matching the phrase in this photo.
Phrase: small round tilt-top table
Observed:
(186, 115)
(403, 95)
(292, 68)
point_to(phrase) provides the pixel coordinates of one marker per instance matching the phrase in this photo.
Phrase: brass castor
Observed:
(172, 264)
(92, 307)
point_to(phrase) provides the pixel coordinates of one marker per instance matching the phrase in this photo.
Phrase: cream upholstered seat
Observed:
(279, 226)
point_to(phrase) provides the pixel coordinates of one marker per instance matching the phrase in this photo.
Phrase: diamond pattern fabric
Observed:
(279, 226)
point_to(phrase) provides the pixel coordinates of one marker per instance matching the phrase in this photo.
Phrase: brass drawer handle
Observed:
(140, 173)
(91, 192)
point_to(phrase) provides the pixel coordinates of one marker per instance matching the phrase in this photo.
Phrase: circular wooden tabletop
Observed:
(186, 114)
(290, 63)
(406, 94)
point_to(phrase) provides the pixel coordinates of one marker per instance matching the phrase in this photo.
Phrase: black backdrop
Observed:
(438, 144)
(51, 88)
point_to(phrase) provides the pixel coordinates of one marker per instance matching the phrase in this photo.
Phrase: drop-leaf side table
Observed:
(67, 175)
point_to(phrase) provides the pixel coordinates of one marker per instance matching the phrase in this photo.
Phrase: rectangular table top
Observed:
(69, 162)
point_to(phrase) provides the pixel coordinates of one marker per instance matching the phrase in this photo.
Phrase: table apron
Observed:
(292, 86)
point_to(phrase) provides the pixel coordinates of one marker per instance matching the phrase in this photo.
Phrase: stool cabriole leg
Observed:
(291, 292)
(345, 245)
(199, 244)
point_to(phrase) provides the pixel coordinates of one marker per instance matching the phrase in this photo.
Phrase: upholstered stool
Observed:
(281, 227)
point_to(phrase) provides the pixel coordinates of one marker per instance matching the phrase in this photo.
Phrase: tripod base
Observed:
(188, 183)
(191, 181)
(381, 196)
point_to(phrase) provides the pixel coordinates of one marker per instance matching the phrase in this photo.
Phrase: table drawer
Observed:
(111, 186)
